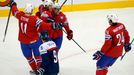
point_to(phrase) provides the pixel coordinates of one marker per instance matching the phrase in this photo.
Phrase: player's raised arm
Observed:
(40, 25)
(16, 13)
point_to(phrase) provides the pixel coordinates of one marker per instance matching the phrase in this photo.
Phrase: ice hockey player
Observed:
(44, 13)
(116, 37)
(60, 17)
(50, 62)
(29, 28)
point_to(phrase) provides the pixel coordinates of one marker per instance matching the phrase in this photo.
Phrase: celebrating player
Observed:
(29, 28)
(60, 17)
(44, 13)
(116, 37)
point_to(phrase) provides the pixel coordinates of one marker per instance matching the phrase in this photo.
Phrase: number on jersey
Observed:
(121, 38)
(55, 56)
(23, 27)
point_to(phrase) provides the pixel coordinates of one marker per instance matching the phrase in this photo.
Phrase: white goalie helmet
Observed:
(48, 3)
(113, 18)
(29, 8)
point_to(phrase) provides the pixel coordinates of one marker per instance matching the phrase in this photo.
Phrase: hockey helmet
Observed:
(48, 3)
(29, 8)
(113, 18)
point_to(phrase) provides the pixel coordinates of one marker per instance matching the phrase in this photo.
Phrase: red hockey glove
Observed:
(69, 34)
(127, 47)
(97, 55)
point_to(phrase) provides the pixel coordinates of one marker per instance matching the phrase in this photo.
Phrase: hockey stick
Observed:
(66, 32)
(75, 42)
(72, 5)
(7, 25)
(63, 4)
(126, 52)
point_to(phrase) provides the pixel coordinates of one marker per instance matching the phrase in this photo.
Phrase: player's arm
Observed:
(108, 42)
(106, 46)
(40, 25)
(13, 6)
(126, 37)
(40, 10)
(65, 22)
(47, 17)
(127, 44)
(67, 28)
(15, 10)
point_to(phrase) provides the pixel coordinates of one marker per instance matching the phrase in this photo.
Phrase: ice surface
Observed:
(88, 27)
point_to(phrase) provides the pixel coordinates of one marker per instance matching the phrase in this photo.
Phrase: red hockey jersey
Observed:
(61, 18)
(29, 26)
(115, 38)
(46, 16)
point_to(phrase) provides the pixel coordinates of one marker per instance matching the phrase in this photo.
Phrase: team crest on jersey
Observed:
(4, 2)
(42, 50)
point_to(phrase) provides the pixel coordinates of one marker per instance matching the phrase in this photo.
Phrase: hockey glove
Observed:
(127, 47)
(11, 3)
(57, 26)
(69, 34)
(97, 55)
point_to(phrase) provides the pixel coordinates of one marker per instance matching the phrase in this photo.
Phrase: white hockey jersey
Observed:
(47, 46)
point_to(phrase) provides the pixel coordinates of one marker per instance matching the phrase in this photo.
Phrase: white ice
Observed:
(88, 28)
